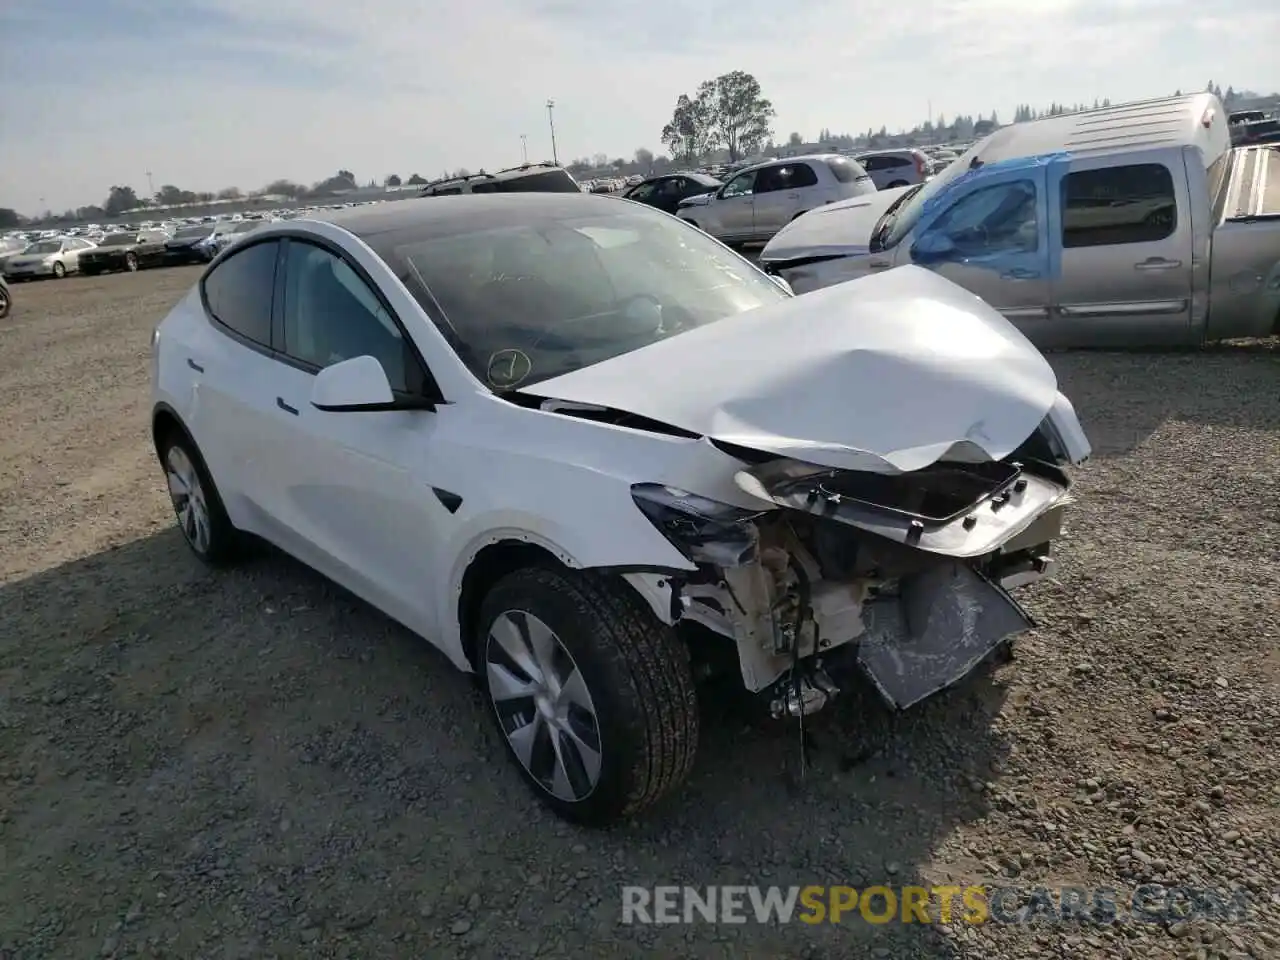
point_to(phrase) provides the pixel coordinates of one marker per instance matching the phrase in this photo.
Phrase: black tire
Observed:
(131, 262)
(6, 302)
(224, 541)
(638, 676)
(59, 271)
(897, 183)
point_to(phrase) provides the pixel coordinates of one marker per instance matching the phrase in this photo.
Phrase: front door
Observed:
(351, 492)
(735, 207)
(996, 237)
(1126, 253)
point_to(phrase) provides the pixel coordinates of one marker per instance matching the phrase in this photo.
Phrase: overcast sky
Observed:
(214, 93)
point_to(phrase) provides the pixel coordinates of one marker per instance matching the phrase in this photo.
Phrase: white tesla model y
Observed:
(582, 447)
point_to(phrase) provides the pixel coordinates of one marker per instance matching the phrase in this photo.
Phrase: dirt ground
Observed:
(255, 764)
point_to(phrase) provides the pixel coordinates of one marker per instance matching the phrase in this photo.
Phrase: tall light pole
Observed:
(551, 122)
(524, 146)
(151, 187)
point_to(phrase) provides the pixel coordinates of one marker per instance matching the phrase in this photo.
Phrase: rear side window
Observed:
(846, 171)
(239, 290)
(1117, 205)
(801, 175)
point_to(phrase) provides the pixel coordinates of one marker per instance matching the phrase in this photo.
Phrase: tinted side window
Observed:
(741, 185)
(872, 164)
(331, 315)
(771, 179)
(846, 171)
(1130, 204)
(239, 291)
(802, 175)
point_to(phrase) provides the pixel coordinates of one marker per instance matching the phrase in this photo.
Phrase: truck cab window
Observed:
(997, 219)
(1113, 205)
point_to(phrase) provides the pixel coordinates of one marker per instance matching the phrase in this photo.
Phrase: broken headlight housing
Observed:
(704, 530)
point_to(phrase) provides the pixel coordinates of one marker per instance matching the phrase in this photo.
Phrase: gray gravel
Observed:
(255, 764)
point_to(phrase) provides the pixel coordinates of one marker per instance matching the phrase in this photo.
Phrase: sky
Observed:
(207, 94)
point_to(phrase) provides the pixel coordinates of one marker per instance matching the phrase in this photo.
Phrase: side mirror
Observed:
(933, 247)
(356, 385)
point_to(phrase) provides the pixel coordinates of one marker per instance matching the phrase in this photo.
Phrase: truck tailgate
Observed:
(1254, 190)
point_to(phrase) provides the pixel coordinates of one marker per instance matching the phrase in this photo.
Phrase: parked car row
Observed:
(122, 250)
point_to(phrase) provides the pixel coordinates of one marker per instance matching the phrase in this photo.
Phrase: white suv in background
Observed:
(896, 168)
(759, 201)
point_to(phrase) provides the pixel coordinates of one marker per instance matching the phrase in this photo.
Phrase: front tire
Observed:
(59, 271)
(201, 516)
(5, 303)
(592, 694)
(131, 262)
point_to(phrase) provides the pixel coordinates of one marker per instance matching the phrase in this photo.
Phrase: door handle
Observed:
(1020, 273)
(879, 264)
(285, 407)
(194, 366)
(1157, 263)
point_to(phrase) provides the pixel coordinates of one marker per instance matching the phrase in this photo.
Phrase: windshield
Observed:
(116, 240)
(528, 302)
(191, 233)
(44, 246)
(912, 203)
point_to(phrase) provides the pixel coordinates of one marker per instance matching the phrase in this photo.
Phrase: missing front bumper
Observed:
(944, 622)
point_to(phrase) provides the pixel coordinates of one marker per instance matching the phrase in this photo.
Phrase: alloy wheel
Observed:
(188, 499)
(543, 705)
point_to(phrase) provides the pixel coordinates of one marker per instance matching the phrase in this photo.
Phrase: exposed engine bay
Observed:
(907, 574)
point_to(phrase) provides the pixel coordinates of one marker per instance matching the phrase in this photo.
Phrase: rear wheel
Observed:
(59, 271)
(592, 694)
(131, 262)
(5, 302)
(201, 516)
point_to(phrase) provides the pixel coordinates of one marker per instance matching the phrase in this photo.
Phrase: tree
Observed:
(794, 140)
(740, 115)
(347, 175)
(120, 199)
(688, 135)
(9, 218)
(283, 188)
(392, 181)
(644, 159)
(417, 180)
(229, 193)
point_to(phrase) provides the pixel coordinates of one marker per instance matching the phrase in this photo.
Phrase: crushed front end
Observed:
(905, 574)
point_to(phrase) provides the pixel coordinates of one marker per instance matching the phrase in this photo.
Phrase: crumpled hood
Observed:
(886, 373)
(837, 229)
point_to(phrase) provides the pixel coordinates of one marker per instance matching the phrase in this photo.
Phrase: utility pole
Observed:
(551, 122)
(151, 187)
(524, 146)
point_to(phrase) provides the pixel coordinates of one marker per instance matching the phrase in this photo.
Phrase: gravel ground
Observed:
(254, 764)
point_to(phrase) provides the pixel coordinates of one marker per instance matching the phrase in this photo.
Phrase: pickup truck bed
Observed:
(1253, 186)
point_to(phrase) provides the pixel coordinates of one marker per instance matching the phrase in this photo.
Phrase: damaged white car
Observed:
(587, 451)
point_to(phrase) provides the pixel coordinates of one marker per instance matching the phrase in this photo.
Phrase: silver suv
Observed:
(759, 201)
(896, 168)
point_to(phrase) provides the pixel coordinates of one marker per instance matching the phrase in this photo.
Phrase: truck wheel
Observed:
(592, 694)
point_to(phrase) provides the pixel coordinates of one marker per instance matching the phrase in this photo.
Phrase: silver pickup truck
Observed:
(1135, 225)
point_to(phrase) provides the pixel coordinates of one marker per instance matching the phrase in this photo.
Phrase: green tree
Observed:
(740, 114)
(794, 140)
(417, 180)
(689, 135)
(120, 199)
(392, 181)
(644, 159)
(9, 218)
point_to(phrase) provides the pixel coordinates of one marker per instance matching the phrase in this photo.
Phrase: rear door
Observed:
(1126, 243)
(998, 229)
(233, 373)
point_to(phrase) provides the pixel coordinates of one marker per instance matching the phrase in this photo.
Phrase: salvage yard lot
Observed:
(254, 763)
